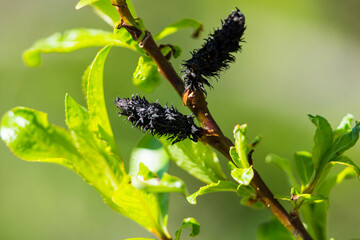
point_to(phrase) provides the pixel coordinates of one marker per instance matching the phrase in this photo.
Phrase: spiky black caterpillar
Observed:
(158, 120)
(215, 55)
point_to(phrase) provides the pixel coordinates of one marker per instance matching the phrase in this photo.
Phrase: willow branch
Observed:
(198, 105)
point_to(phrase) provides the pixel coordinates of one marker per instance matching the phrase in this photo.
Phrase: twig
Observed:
(198, 105)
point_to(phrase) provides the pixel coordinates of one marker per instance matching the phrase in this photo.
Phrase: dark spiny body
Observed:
(158, 120)
(215, 55)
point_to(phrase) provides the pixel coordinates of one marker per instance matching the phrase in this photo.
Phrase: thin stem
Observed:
(198, 105)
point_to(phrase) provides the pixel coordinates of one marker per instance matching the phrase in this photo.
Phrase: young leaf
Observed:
(105, 10)
(243, 175)
(188, 222)
(273, 230)
(146, 76)
(96, 101)
(344, 126)
(184, 23)
(220, 186)
(139, 206)
(149, 181)
(197, 159)
(151, 154)
(241, 146)
(323, 139)
(284, 165)
(83, 3)
(100, 168)
(72, 40)
(304, 166)
(30, 136)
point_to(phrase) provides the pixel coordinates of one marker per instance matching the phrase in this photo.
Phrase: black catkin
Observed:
(158, 120)
(215, 55)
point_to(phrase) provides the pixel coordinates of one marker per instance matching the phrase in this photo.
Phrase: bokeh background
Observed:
(300, 57)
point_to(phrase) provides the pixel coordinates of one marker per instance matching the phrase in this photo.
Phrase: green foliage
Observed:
(89, 146)
(188, 222)
(175, 27)
(146, 76)
(197, 159)
(314, 170)
(76, 39)
(220, 186)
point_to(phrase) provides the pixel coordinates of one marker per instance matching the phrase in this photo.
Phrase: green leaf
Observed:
(150, 153)
(315, 215)
(344, 126)
(243, 175)
(96, 100)
(139, 206)
(304, 166)
(220, 186)
(146, 76)
(241, 146)
(340, 145)
(184, 23)
(284, 165)
(105, 10)
(197, 159)
(31, 137)
(149, 181)
(273, 230)
(83, 3)
(99, 167)
(188, 222)
(70, 41)
(323, 139)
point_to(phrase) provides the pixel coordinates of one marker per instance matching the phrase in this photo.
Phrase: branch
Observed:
(198, 105)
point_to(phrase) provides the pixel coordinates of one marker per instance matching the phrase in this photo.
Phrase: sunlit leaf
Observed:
(106, 10)
(31, 137)
(150, 153)
(241, 146)
(139, 206)
(188, 222)
(151, 182)
(101, 169)
(273, 230)
(175, 27)
(220, 186)
(96, 101)
(71, 40)
(323, 139)
(344, 126)
(284, 165)
(83, 3)
(146, 76)
(304, 166)
(197, 159)
(243, 175)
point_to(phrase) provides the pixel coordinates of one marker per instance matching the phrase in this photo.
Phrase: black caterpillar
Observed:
(215, 55)
(158, 120)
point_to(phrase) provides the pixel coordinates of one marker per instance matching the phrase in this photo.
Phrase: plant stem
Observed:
(198, 105)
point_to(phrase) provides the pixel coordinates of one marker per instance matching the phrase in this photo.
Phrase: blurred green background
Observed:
(299, 57)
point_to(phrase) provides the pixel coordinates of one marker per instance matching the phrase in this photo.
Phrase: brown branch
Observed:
(198, 105)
